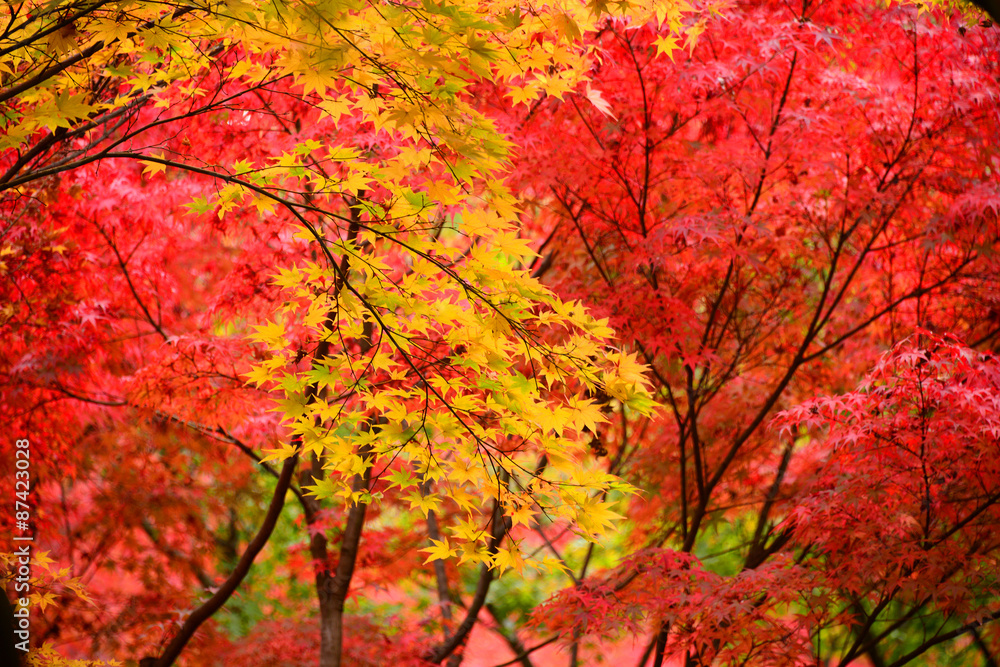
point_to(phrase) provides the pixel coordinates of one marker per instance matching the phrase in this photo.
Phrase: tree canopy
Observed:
(361, 332)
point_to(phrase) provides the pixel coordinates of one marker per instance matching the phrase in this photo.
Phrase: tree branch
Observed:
(497, 533)
(221, 596)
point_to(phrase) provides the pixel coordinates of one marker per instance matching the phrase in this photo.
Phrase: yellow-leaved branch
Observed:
(441, 360)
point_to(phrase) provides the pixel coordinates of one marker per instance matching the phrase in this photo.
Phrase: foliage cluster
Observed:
(409, 323)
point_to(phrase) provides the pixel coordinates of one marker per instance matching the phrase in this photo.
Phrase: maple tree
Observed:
(760, 219)
(210, 209)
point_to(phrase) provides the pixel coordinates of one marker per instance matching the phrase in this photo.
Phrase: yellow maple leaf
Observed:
(153, 168)
(440, 550)
(666, 45)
